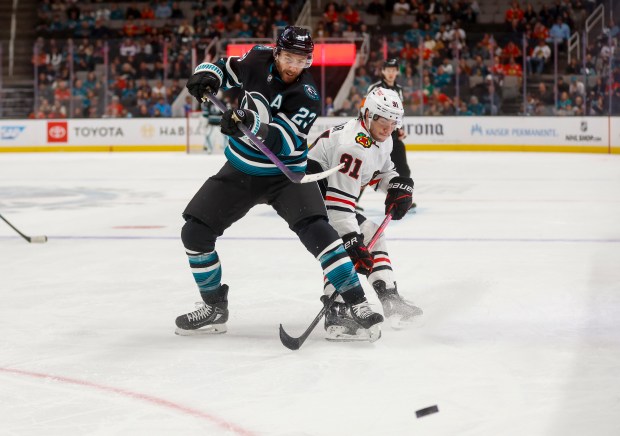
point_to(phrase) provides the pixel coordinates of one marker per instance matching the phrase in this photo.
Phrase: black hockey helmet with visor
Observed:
(296, 40)
(391, 63)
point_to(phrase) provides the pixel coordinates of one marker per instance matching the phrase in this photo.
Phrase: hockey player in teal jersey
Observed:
(279, 103)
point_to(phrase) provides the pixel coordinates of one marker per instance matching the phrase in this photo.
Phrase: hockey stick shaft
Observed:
(292, 176)
(31, 239)
(295, 343)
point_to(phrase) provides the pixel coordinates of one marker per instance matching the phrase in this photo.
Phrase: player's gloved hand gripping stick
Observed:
(295, 343)
(293, 176)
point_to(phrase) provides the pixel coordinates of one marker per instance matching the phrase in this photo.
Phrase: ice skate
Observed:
(398, 311)
(351, 323)
(208, 318)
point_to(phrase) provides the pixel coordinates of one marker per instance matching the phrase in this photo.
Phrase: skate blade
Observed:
(337, 334)
(213, 329)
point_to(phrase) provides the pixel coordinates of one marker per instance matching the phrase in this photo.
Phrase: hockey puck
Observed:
(426, 411)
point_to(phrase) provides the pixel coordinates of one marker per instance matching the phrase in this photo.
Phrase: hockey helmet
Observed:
(382, 102)
(296, 40)
(391, 63)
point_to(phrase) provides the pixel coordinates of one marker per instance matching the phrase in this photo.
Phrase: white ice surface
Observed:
(515, 259)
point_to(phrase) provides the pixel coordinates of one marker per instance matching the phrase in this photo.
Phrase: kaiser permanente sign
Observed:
(566, 134)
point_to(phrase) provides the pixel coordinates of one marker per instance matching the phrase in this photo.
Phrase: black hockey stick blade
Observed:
(293, 176)
(295, 343)
(31, 239)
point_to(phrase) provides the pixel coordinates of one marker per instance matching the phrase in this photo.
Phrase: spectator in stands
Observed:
(559, 32)
(351, 16)
(564, 105)
(529, 14)
(540, 32)
(513, 68)
(163, 10)
(401, 7)
(116, 13)
(159, 89)
(176, 13)
(539, 57)
(490, 98)
(147, 12)
(598, 107)
(143, 111)
(544, 95)
(562, 86)
(413, 35)
(331, 16)
(479, 68)
(163, 107)
(576, 87)
(115, 108)
(510, 50)
(514, 12)
(442, 79)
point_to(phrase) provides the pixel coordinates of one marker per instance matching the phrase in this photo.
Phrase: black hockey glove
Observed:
(247, 117)
(201, 83)
(398, 199)
(358, 252)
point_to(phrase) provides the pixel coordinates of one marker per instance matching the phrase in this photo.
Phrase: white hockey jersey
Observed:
(366, 162)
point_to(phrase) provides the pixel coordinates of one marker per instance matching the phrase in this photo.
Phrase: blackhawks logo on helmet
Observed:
(363, 140)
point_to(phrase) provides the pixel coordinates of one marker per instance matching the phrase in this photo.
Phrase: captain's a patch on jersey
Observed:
(363, 140)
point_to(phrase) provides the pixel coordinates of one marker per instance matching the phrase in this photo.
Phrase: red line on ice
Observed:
(137, 395)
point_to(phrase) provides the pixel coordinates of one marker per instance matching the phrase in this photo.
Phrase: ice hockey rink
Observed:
(514, 257)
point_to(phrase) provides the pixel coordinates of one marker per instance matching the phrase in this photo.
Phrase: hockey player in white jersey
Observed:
(364, 145)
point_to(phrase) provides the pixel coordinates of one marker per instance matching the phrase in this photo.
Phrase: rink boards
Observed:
(545, 134)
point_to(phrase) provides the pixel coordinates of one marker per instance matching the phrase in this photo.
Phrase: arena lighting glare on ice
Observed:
(324, 54)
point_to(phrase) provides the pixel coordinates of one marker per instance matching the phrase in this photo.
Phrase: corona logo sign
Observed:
(57, 131)
(329, 55)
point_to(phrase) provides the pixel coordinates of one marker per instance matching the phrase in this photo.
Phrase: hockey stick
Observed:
(31, 239)
(293, 176)
(295, 343)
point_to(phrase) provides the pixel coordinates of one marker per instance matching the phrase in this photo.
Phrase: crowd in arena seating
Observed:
(446, 68)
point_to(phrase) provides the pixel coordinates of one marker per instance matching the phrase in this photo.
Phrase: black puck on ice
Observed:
(426, 411)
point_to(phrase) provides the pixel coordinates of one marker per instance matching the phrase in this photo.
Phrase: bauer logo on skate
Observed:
(57, 131)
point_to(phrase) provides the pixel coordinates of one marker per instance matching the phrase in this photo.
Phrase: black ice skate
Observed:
(208, 318)
(396, 309)
(347, 323)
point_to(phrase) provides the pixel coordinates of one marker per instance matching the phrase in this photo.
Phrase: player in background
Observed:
(364, 145)
(279, 103)
(389, 73)
(212, 118)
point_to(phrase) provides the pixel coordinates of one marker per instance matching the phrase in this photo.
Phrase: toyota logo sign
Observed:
(57, 131)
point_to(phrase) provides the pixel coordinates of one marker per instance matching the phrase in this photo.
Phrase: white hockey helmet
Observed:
(383, 102)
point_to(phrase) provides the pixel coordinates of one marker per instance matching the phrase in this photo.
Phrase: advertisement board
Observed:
(553, 134)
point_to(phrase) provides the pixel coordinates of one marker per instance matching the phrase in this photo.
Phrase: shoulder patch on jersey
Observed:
(363, 140)
(311, 92)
